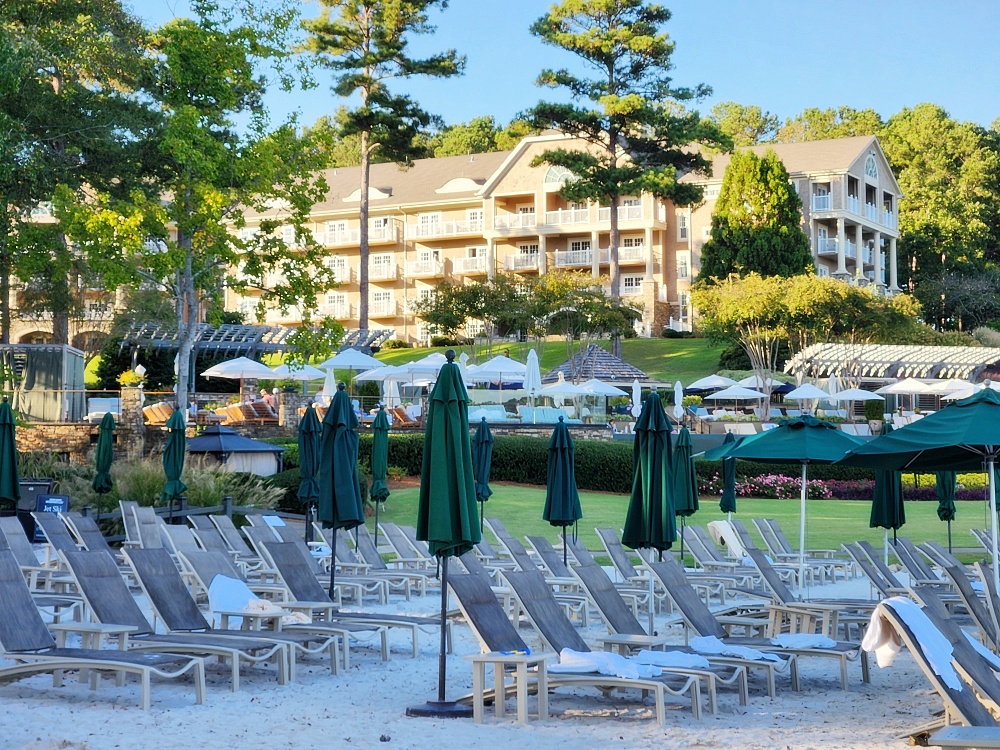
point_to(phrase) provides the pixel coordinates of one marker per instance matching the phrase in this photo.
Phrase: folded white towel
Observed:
(709, 644)
(803, 640)
(936, 647)
(602, 663)
(882, 640)
(668, 659)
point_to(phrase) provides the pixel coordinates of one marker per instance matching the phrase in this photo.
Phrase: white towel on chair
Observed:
(882, 640)
(936, 647)
(671, 659)
(709, 644)
(803, 640)
(603, 663)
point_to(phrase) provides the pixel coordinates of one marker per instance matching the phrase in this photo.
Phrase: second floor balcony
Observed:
(383, 308)
(341, 237)
(830, 246)
(444, 229)
(383, 272)
(424, 269)
(625, 213)
(889, 219)
(871, 212)
(821, 202)
(515, 221)
(336, 310)
(853, 204)
(521, 262)
(469, 266)
(567, 216)
(574, 258)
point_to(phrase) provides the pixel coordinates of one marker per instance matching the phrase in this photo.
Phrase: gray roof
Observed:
(219, 439)
(596, 363)
(894, 361)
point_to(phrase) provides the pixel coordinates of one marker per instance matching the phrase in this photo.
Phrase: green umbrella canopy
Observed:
(447, 517)
(102, 483)
(10, 489)
(380, 457)
(685, 479)
(482, 458)
(310, 444)
(945, 488)
(340, 504)
(727, 504)
(562, 501)
(173, 457)
(649, 521)
(887, 500)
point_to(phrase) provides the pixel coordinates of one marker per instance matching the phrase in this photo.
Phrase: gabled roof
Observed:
(596, 363)
(894, 361)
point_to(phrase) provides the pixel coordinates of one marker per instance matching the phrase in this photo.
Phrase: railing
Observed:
(88, 315)
(821, 202)
(415, 268)
(469, 265)
(353, 236)
(889, 219)
(566, 258)
(383, 272)
(444, 229)
(627, 254)
(871, 211)
(339, 311)
(383, 308)
(826, 246)
(564, 216)
(514, 221)
(411, 304)
(850, 250)
(624, 291)
(625, 213)
(342, 274)
(521, 262)
(868, 257)
(853, 204)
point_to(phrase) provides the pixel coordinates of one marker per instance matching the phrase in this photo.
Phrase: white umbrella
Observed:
(678, 401)
(951, 386)
(854, 394)
(500, 368)
(735, 393)
(564, 388)
(597, 387)
(806, 392)
(636, 398)
(239, 369)
(298, 372)
(329, 384)
(351, 359)
(909, 386)
(756, 381)
(390, 392)
(388, 372)
(532, 375)
(429, 365)
(711, 381)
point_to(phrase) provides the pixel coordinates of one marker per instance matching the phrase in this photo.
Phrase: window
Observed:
(336, 230)
(682, 267)
(528, 249)
(526, 208)
(631, 201)
(558, 175)
(577, 246)
(712, 192)
(577, 206)
(871, 167)
(637, 241)
(706, 232)
(631, 283)
(684, 302)
(336, 299)
(682, 227)
(379, 222)
(247, 233)
(381, 260)
(822, 271)
(475, 252)
(288, 235)
(425, 294)
(475, 217)
(382, 298)
(426, 256)
(429, 219)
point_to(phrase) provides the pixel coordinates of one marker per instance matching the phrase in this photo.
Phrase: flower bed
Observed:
(769, 485)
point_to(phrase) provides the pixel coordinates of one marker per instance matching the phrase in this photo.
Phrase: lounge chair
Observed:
(39, 577)
(371, 565)
(698, 618)
(620, 558)
(828, 567)
(128, 521)
(88, 534)
(204, 565)
(879, 582)
(406, 555)
(921, 574)
(111, 602)
(57, 536)
(178, 539)
(26, 641)
(148, 524)
(973, 604)
(558, 633)
(371, 556)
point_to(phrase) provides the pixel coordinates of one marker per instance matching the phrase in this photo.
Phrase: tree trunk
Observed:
(616, 275)
(4, 294)
(186, 308)
(366, 163)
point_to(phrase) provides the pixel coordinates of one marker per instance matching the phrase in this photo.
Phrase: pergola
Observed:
(886, 361)
(227, 340)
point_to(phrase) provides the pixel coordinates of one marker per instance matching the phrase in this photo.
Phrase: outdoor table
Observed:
(520, 662)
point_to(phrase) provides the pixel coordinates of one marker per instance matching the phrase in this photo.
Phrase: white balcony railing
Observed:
(853, 204)
(443, 229)
(469, 265)
(383, 308)
(514, 221)
(850, 249)
(338, 311)
(871, 211)
(567, 258)
(342, 274)
(383, 272)
(521, 262)
(826, 246)
(821, 202)
(868, 256)
(889, 219)
(335, 237)
(625, 213)
(565, 216)
(626, 291)
(628, 255)
(417, 268)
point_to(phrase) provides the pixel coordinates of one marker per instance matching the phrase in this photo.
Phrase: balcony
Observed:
(337, 311)
(626, 291)
(821, 202)
(443, 229)
(868, 256)
(627, 254)
(353, 236)
(469, 266)
(567, 216)
(853, 204)
(826, 246)
(343, 274)
(889, 219)
(422, 269)
(514, 221)
(574, 258)
(383, 308)
(871, 212)
(383, 272)
(411, 305)
(275, 316)
(625, 213)
(521, 262)
(850, 249)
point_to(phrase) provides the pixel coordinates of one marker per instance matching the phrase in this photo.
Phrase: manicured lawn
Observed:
(829, 522)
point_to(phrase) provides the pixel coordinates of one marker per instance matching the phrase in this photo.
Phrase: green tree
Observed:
(176, 231)
(744, 124)
(842, 122)
(479, 136)
(638, 140)
(756, 222)
(366, 44)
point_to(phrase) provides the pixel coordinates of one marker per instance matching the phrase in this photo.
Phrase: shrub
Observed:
(691, 401)
(286, 484)
(874, 410)
(443, 341)
(670, 333)
(397, 344)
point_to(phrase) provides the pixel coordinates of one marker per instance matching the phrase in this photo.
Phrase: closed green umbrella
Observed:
(945, 482)
(380, 462)
(173, 460)
(887, 501)
(649, 521)
(310, 445)
(685, 480)
(340, 505)
(727, 504)
(446, 508)
(562, 501)
(103, 454)
(482, 458)
(10, 487)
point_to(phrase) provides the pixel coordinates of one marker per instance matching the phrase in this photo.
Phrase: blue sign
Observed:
(49, 504)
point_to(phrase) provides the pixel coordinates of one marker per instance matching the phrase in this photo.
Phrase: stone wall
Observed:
(578, 431)
(71, 440)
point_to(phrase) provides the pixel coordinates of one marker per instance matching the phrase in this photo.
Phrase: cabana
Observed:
(226, 447)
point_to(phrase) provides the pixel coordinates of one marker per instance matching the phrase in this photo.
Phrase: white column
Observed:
(543, 261)
(877, 258)
(595, 250)
(841, 249)
(859, 238)
(647, 241)
(893, 271)
(491, 258)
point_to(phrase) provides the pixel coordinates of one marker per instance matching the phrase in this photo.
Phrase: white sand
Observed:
(364, 708)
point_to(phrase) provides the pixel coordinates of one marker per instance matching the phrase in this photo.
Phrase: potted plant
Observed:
(875, 415)
(130, 379)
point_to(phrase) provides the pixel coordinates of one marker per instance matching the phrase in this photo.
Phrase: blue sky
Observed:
(783, 55)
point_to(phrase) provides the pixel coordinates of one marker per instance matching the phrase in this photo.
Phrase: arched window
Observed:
(558, 175)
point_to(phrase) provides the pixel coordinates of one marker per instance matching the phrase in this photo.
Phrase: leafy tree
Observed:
(478, 136)
(637, 141)
(756, 222)
(816, 124)
(174, 230)
(745, 125)
(366, 44)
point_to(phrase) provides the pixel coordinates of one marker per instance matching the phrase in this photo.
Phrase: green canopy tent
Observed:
(944, 485)
(887, 502)
(685, 480)
(173, 460)
(562, 500)
(649, 521)
(962, 436)
(482, 459)
(446, 508)
(103, 455)
(10, 485)
(340, 505)
(803, 440)
(727, 503)
(380, 462)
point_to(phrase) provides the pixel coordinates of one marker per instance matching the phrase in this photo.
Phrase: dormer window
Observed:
(871, 168)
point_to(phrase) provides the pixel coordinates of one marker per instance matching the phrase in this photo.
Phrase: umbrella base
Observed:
(441, 710)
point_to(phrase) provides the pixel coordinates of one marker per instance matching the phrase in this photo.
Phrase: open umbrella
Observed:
(727, 503)
(685, 480)
(173, 460)
(446, 508)
(532, 379)
(339, 494)
(351, 359)
(482, 457)
(887, 501)
(944, 486)
(735, 393)
(649, 521)
(298, 372)
(804, 440)
(498, 369)
(310, 436)
(240, 368)
(380, 462)
(711, 382)
(562, 501)
(103, 454)
(960, 437)
(10, 486)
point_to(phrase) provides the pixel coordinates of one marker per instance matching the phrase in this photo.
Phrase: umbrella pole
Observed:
(376, 524)
(949, 536)
(482, 515)
(885, 547)
(682, 540)
(802, 530)
(993, 524)
(564, 546)
(442, 652)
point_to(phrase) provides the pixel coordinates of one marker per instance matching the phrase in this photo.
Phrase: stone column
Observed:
(893, 271)
(648, 244)
(841, 248)
(131, 425)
